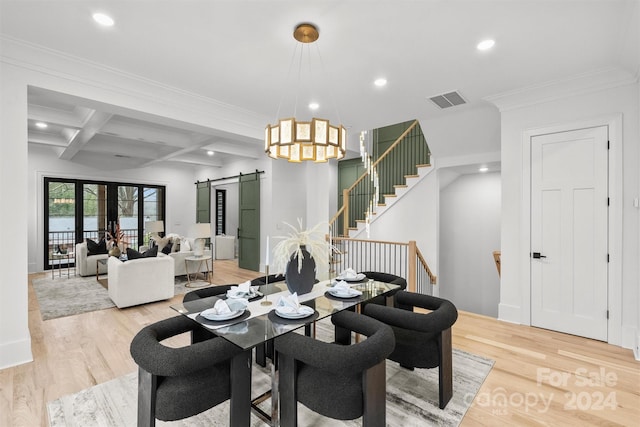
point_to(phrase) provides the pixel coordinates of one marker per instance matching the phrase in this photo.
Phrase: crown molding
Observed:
(579, 84)
(61, 65)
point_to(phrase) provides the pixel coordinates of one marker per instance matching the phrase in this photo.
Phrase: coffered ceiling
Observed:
(238, 53)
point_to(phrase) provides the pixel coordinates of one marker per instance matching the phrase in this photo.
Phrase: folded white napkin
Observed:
(290, 302)
(344, 288)
(221, 307)
(243, 289)
(349, 273)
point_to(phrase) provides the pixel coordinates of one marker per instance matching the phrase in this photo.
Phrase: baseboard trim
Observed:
(15, 353)
(509, 313)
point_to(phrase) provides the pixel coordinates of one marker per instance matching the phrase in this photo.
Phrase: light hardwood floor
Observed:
(539, 377)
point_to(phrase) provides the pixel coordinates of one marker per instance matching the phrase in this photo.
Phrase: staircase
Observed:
(388, 200)
(385, 181)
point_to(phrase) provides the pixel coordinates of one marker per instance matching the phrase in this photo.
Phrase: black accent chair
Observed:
(338, 381)
(387, 278)
(201, 334)
(423, 340)
(177, 383)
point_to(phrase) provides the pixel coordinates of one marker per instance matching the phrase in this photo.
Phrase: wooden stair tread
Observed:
(427, 165)
(400, 185)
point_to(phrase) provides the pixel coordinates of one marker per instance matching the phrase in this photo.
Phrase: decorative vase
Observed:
(301, 281)
(115, 251)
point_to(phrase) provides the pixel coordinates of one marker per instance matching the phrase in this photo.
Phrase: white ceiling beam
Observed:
(249, 151)
(50, 116)
(95, 121)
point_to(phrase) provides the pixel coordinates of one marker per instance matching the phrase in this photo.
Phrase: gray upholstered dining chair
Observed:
(177, 383)
(201, 334)
(423, 340)
(338, 381)
(387, 278)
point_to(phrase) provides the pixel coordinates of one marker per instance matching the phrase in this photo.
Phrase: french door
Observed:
(78, 209)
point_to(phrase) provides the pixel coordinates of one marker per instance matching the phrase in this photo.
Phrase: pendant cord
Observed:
(330, 92)
(284, 92)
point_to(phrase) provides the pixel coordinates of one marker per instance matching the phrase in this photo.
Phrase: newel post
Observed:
(345, 217)
(413, 257)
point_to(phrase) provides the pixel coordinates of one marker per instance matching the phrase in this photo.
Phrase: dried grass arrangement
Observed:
(314, 241)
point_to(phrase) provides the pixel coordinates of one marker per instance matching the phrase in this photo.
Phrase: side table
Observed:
(103, 282)
(208, 263)
(62, 257)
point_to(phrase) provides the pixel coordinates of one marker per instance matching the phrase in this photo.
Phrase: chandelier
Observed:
(316, 139)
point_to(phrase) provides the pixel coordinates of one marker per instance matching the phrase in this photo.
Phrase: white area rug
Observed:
(412, 400)
(60, 297)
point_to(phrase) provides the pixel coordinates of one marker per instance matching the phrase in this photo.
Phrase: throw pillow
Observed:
(185, 246)
(94, 248)
(162, 242)
(133, 254)
(167, 249)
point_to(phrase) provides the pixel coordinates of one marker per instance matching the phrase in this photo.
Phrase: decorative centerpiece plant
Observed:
(117, 239)
(291, 248)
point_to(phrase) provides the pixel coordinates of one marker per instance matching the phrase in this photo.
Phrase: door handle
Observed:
(537, 255)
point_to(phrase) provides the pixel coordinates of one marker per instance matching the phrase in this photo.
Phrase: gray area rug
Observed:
(412, 400)
(60, 296)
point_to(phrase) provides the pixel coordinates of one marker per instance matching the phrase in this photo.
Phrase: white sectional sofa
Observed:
(141, 280)
(179, 258)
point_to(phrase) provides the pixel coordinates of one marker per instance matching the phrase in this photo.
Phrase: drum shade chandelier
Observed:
(297, 140)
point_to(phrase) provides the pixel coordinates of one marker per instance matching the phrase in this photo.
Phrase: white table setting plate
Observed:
(290, 313)
(212, 314)
(344, 292)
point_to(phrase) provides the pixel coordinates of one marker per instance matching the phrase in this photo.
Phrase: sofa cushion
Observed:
(133, 254)
(167, 248)
(185, 245)
(162, 242)
(94, 248)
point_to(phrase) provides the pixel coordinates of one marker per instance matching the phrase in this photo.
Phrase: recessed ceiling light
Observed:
(314, 106)
(486, 44)
(102, 19)
(380, 82)
(41, 125)
(210, 153)
(483, 169)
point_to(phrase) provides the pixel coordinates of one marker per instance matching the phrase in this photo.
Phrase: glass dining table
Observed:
(259, 324)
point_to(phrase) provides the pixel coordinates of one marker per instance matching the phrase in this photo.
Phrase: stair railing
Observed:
(380, 179)
(400, 259)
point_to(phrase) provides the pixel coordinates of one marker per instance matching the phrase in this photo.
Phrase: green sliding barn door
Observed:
(249, 223)
(203, 202)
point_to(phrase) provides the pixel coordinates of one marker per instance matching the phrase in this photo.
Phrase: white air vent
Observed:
(447, 100)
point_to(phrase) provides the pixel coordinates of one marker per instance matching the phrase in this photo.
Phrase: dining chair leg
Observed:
(445, 368)
(147, 384)
(288, 391)
(375, 396)
(240, 411)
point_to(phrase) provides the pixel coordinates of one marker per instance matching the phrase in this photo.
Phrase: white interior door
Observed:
(569, 227)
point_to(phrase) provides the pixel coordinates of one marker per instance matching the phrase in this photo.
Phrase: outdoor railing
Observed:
(63, 242)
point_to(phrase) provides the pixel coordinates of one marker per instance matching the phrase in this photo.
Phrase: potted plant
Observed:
(298, 255)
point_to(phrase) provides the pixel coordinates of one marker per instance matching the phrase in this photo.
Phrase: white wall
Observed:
(594, 106)
(413, 217)
(469, 233)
